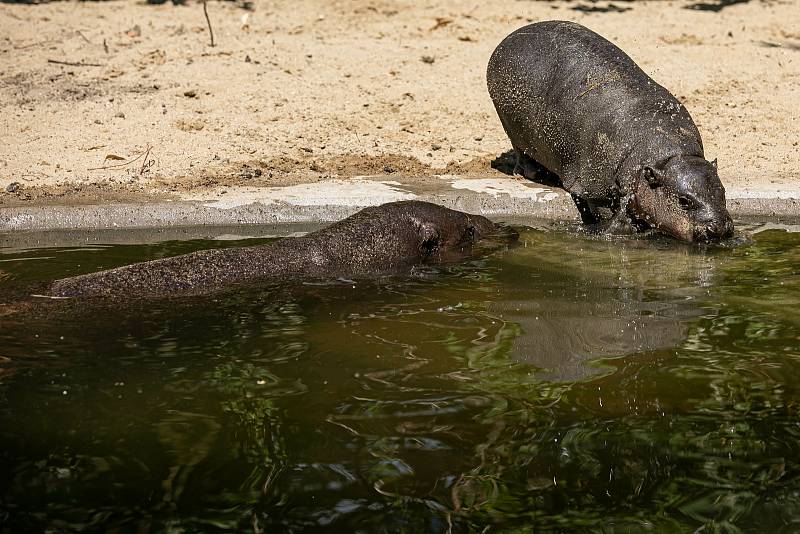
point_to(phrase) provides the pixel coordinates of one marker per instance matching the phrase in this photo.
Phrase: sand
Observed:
(309, 91)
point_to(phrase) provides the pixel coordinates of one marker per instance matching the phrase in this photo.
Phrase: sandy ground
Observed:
(307, 91)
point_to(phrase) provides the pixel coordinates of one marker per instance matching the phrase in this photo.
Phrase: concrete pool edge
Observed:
(498, 198)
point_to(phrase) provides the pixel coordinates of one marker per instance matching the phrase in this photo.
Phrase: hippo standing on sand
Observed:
(625, 149)
(380, 240)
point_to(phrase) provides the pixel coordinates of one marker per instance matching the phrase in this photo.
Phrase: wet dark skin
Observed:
(382, 240)
(576, 106)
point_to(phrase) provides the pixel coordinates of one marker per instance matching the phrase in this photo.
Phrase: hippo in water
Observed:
(380, 240)
(627, 151)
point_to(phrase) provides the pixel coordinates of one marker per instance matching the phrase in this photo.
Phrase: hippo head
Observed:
(408, 232)
(683, 197)
(445, 234)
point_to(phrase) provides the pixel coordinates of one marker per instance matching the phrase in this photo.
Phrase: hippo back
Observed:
(577, 104)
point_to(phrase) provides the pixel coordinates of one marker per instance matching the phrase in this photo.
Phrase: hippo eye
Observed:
(686, 203)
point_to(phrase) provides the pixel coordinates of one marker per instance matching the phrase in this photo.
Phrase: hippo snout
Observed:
(481, 226)
(715, 229)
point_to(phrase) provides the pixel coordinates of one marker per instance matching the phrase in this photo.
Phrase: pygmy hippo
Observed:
(387, 239)
(625, 149)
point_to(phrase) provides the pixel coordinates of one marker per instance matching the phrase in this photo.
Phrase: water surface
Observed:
(573, 383)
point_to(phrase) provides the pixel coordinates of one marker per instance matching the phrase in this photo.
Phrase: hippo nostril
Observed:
(727, 231)
(718, 229)
(700, 235)
(725, 228)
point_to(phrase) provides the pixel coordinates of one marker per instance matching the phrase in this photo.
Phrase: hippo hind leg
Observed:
(532, 170)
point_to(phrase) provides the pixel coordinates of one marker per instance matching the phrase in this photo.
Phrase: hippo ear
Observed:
(714, 164)
(652, 176)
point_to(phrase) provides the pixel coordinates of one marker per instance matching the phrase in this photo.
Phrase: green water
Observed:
(570, 384)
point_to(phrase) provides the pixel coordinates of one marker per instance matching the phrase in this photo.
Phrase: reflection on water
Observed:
(571, 383)
(578, 301)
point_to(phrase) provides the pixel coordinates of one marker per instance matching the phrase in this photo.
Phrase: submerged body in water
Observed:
(380, 240)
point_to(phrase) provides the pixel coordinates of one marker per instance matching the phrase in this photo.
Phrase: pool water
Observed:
(572, 383)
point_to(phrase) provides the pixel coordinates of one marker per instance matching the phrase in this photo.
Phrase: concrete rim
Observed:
(497, 198)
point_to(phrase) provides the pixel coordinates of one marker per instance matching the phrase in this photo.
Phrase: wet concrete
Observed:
(314, 204)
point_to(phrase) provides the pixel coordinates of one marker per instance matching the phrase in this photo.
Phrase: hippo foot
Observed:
(621, 223)
(619, 226)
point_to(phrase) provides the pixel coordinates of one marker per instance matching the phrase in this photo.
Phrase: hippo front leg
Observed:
(585, 209)
(621, 223)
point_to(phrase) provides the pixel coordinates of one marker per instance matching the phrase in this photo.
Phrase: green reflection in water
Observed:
(571, 383)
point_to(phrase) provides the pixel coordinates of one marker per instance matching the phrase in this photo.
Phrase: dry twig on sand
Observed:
(146, 163)
(208, 20)
(74, 63)
(37, 43)
(83, 36)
